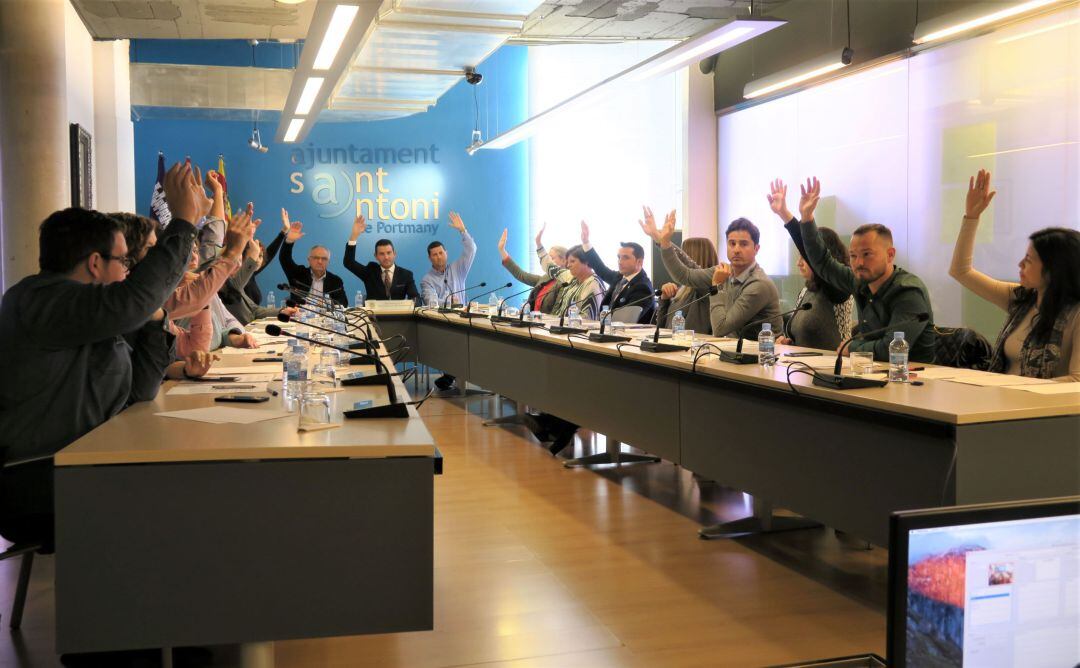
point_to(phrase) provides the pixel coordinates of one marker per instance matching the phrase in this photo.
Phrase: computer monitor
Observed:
(986, 586)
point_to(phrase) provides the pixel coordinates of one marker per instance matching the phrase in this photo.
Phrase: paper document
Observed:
(220, 388)
(813, 361)
(242, 370)
(944, 373)
(985, 379)
(1048, 388)
(226, 415)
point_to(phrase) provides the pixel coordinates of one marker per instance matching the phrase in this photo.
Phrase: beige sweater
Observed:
(998, 293)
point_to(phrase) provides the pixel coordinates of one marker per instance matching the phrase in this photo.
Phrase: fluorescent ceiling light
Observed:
(830, 62)
(976, 16)
(340, 23)
(703, 45)
(295, 125)
(307, 97)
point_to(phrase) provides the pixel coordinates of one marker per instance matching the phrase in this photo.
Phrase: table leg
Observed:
(612, 455)
(762, 521)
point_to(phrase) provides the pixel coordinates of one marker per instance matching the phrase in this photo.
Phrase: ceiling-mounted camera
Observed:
(473, 77)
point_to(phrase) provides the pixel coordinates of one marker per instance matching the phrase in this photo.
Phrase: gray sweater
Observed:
(824, 326)
(743, 299)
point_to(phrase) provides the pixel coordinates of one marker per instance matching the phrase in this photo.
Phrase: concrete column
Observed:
(114, 140)
(34, 163)
(699, 157)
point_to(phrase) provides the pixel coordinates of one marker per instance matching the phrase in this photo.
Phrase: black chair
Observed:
(962, 348)
(24, 549)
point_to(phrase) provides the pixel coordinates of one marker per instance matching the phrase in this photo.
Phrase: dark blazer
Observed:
(402, 286)
(299, 277)
(252, 288)
(639, 288)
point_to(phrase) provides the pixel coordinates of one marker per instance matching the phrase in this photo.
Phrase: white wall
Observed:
(896, 144)
(98, 99)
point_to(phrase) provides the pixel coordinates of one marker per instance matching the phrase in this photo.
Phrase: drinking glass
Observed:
(314, 408)
(862, 363)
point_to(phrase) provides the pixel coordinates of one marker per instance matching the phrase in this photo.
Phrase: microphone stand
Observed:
(837, 381)
(446, 307)
(394, 409)
(738, 356)
(498, 317)
(601, 337)
(560, 329)
(361, 343)
(469, 314)
(369, 342)
(655, 346)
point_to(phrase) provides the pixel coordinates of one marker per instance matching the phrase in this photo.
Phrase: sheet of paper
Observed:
(268, 367)
(213, 388)
(1048, 388)
(226, 415)
(822, 362)
(260, 377)
(983, 379)
(944, 372)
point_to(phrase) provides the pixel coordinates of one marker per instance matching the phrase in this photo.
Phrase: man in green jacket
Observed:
(886, 295)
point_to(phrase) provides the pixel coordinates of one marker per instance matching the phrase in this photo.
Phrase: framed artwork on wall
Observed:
(82, 162)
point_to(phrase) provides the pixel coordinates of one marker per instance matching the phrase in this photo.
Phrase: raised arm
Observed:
(825, 266)
(296, 230)
(349, 258)
(962, 268)
(592, 258)
(468, 246)
(271, 252)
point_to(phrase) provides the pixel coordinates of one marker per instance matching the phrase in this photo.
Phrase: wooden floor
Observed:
(539, 566)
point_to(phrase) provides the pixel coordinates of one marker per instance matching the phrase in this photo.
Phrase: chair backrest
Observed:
(962, 348)
(628, 314)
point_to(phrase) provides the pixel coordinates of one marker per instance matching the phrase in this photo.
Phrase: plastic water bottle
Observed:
(766, 342)
(358, 300)
(678, 326)
(573, 316)
(294, 362)
(898, 359)
(605, 318)
(271, 299)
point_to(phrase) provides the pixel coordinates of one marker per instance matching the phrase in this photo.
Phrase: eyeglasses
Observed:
(123, 259)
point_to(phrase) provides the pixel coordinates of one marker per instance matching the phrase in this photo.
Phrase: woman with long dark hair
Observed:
(1041, 335)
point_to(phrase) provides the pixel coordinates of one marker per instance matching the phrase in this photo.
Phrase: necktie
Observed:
(618, 290)
(386, 281)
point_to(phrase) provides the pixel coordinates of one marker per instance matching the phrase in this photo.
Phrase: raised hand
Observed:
(456, 222)
(648, 225)
(213, 182)
(296, 230)
(239, 232)
(808, 200)
(359, 227)
(205, 203)
(184, 197)
(721, 273)
(584, 233)
(502, 245)
(668, 230)
(668, 290)
(540, 235)
(778, 199)
(198, 362)
(284, 221)
(979, 194)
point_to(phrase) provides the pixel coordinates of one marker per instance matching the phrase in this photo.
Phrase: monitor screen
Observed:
(990, 586)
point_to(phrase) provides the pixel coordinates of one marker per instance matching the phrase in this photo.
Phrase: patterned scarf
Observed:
(1037, 360)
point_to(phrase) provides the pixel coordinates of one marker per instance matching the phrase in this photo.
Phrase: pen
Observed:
(234, 387)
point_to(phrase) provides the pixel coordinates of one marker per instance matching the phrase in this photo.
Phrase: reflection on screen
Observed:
(996, 595)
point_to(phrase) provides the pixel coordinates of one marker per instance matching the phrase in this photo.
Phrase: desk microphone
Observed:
(445, 308)
(468, 314)
(369, 339)
(382, 376)
(498, 317)
(307, 289)
(655, 346)
(366, 344)
(615, 338)
(840, 382)
(318, 301)
(560, 329)
(738, 356)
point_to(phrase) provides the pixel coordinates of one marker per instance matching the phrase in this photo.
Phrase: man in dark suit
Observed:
(627, 285)
(382, 279)
(313, 279)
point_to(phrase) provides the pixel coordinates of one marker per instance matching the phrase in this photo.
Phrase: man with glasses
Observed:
(66, 366)
(313, 279)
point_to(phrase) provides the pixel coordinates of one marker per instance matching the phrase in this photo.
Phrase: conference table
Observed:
(843, 458)
(174, 533)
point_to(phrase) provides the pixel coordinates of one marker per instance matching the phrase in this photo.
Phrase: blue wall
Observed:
(422, 161)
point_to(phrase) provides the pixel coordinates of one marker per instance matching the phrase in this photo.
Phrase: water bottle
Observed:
(271, 300)
(766, 342)
(898, 362)
(605, 318)
(678, 326)
(295, 374)
(358, 300)
(573, 316)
